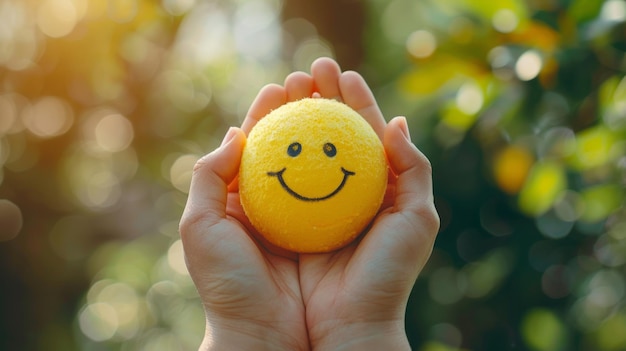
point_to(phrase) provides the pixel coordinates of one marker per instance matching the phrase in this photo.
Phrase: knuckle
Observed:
(428, 217)
(425, 164)
(196, 222)
(187, 225)
(201, 163)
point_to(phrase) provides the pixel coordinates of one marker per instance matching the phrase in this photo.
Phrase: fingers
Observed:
(326, 73)
(209, 183)
(388, 258)
(359, 96)
(298, 85)
(414, 210)
(402, 235)
(348, 87)
(326, 80)
(269, 97)
(414, 194)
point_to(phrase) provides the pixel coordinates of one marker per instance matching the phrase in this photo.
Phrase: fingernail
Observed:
(230, 134)
(404, 127)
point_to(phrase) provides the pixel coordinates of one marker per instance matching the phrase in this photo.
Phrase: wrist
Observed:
(244, 335)
(383, 335)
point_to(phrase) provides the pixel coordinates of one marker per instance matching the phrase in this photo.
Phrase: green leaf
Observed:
(544, 184)
(487, 8)
(430, 76)
(585, 10)
(600, 201)
(595, 147)
(610, 335)
(542, 330)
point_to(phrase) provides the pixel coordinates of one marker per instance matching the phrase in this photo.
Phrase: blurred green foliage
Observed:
(105, 105)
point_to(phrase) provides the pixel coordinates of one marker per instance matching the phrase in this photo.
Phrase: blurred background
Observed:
(105, 105)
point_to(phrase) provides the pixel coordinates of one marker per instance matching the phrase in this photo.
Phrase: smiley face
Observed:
(294, 150)
(313, 174)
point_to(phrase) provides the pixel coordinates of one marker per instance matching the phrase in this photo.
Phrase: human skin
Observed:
(257, 296)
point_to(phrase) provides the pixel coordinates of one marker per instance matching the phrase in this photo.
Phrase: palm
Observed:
(245, 288)
(361, 281)
(348, 269)
(254, 284)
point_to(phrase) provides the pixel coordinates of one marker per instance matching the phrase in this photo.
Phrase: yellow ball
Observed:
(313, 175)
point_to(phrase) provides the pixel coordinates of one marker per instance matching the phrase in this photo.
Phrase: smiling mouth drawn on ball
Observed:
(291, 192)
(293, 150)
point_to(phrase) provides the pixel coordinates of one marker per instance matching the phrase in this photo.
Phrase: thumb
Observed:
(209, 183)
(414, 201)
(414, 188)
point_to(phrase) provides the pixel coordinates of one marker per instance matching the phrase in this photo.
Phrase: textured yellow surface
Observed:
(313, 174)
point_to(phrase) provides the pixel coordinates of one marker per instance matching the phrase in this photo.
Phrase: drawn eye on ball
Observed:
(330, 150)
(294, 150)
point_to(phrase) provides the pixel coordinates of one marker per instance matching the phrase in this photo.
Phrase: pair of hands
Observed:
(257, 296)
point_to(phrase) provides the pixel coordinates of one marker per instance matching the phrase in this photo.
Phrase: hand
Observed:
(250, 292)
(256, 295)
(355, 298)
(249, 288)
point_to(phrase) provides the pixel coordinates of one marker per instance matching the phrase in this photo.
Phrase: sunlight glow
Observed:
(102, 189)
(613, 10)
(421, 43)
(114, 133)
(187, 93)
(122, 11)
(176, 258)
(178, 7)
(98, 321)
(181, 171)
(48, 117)
(123, 299)
(469, 98)
(95, 176)
(309, 50)
(505, 21)
(501, 61)
(204, 36)
(528, 65)
(20, 41)
(9, 113)
(114, 310)
(57, 18)
(256, 31)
